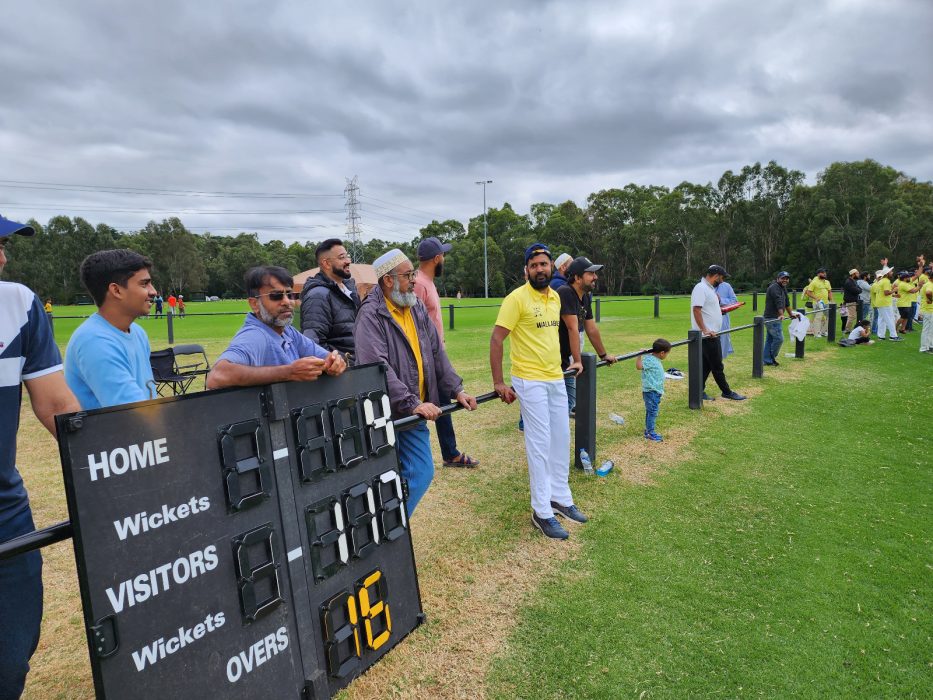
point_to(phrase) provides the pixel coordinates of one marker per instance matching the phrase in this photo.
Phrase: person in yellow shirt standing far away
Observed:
(531, 315)
(820, 292)
(906, 291)
(881, 294)
(926, 308)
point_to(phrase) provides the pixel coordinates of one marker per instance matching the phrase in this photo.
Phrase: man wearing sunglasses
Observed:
(329, 300)
(267, 348)
(393, 327)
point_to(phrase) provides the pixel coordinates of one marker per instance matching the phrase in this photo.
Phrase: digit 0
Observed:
(373, 594)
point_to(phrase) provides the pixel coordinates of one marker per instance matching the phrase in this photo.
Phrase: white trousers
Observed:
(886, 321)
(547, 442)
(926, 336)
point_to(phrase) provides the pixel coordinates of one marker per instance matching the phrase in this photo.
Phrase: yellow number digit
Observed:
(370, 610)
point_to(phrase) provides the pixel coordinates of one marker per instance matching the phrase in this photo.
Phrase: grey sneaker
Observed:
(550, 527)
(570, 512)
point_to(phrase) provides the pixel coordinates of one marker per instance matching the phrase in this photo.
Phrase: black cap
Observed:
(432, 246)
(581, 265)
(822, 269)
(716, 270)
(782, 274)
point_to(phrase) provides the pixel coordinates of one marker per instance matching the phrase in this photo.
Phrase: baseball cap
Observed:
(821, 269)
(8, 228)
(536, 249)
(782, 274)
(581, 265)
(432, 246)
(717, 270)
(853, 271)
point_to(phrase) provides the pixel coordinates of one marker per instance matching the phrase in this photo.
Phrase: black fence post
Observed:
(754, 301)
(800, 346)
(695, 368)
(450, 309)
(831, 332)
(171, 327)
(859, 311)
(758, 346)
(597, 311)
(51, 323)
(585, 430)
(657, 306)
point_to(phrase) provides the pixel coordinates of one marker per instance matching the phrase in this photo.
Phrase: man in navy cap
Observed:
(530, 317)
(28, 355)
(430, 266)
(777, 306)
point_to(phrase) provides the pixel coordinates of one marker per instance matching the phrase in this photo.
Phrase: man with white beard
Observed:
(393, 327)
(268, 348)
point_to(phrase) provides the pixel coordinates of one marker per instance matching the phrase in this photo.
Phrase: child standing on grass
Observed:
(652, 384)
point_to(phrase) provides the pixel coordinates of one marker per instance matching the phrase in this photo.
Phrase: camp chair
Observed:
(163, 372)
(190, 363)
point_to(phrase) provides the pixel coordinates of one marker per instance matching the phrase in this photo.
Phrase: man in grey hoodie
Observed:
(393, 327)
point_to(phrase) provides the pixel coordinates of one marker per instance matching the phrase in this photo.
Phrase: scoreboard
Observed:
(241, 543)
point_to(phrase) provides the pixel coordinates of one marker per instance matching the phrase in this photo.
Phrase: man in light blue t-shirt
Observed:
(107, 360)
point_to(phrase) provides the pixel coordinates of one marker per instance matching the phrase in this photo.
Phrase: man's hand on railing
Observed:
(577, 368)
(467, 401)
(504, 392)
(427, 410)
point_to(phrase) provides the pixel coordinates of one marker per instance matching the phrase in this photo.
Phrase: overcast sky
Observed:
(551, 101)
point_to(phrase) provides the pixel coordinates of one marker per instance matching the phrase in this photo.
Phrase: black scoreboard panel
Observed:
(241, 543)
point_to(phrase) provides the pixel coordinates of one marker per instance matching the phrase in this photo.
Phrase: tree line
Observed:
(651, 239)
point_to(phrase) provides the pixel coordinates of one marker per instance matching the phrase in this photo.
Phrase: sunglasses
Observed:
(278, 296)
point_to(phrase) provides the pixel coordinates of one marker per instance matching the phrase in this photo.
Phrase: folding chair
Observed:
(163, 372)
(190, 362)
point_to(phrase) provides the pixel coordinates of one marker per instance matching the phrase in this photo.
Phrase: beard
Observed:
(342, 272)
(540, 280)
(439, 269)
(281, 321)
(400, 298)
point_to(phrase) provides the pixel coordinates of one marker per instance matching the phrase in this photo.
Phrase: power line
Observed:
(117, 189)
(68, 207)
(403, 206)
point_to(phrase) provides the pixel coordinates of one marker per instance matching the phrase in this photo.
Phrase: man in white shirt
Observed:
(706, 317)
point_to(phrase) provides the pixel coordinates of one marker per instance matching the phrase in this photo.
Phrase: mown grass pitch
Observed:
(771, 548)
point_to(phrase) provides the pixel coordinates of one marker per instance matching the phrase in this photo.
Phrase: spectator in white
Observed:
(531, 314)
(559, 278)
(329, 301)
(107, 360)
(861, 334)
(576, 316)
(851, 291)
(706, 317)
(431, 254)
(268, 348)
(28, 355)
(727, 296)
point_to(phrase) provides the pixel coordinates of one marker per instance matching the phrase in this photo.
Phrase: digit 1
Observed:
(341, 634)
(327, 537)
(374, 605)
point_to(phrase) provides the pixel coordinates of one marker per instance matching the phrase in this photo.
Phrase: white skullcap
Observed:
(562, 260)
(387, 262)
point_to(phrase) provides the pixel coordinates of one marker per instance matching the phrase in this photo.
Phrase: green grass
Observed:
(790, 556)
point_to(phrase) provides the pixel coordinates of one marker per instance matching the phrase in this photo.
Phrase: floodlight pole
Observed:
(485, 234)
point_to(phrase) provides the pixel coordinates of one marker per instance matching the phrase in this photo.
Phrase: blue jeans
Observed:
(447, 437)
(652, 406)
(20, 609)
(874, 321)
(774, 339)
(414, 452)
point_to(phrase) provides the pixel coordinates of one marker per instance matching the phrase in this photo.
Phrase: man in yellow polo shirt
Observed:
(393, 327)
(530, 315)
(881, 294)
(926, 308)
(906, 291)
(820, 292)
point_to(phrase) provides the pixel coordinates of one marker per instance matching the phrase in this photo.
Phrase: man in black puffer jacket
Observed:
(329, 301)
